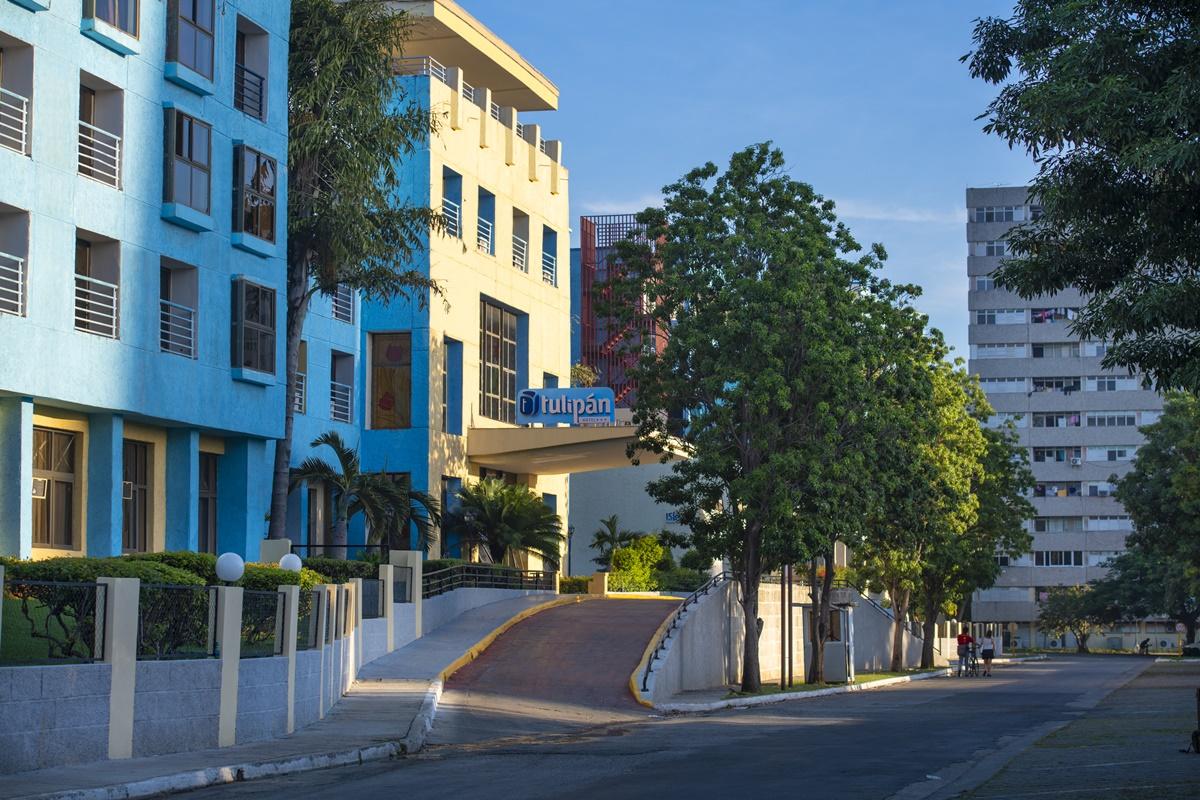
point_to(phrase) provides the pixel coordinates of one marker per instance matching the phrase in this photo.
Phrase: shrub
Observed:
(339, 570)
(680, 579)
(269, 577)
(633, 565)
(436, 564)
(692, 559)
(202, 565)
(577, 584)
(89, 569)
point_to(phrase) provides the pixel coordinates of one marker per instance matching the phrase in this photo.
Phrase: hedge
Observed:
(577, 584)
(680, 579)
(340, 570)
(87, 570)
(436, 564)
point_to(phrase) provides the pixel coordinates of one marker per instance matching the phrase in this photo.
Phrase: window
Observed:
(1064, 385)
(985, 284)
(121, 14)
(992, 248)
(391, 380)
(54, 489)
(1057, 350)
(1150, 417)
(998, 350)
(1112, 420)
(253, 316)
(1035, 213)
(1002, 418)
(1117, 522)
(177, 302)
(189, 161)
(1058, 455)
(1100, 558)
(1002, 385)
(999, 214)
(254, 193)
(1111, 453)
(342, 303)
(497, 362)
(1068, 489)
(1039, 316)
(300, 395)
(452, 390)
(190, 35)
(250, 69)
(135, 519)
(485, 223)
(1000, 316)
(1101, 489)
(207, 542)
(1056, 420)
(549, 256)
(1095, 349)
(1002, 561)
(1112, 383)
(101, 123)
(97, 286)
(1057, 524)
(341, 386)
(1058, 558)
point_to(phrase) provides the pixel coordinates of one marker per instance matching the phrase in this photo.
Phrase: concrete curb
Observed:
(412, 742)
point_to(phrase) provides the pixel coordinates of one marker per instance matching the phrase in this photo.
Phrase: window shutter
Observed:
(237, 306)
(238, 183)
(168, 155)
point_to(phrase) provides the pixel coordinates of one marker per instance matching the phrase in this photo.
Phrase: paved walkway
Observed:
(558, 670)
(378, 710)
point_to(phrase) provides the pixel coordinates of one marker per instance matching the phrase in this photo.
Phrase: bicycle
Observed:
(972, 668)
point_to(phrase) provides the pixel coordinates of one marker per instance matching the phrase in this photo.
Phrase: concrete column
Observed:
(271, 550)
(243, 497)
(16, 476)
(321, 598)
(105, 478)
(598, 583)
(554, 152)
(387, 574)
(356, 607)
(483, 98)
(229, 650)
(454, 77)
(416, 560)
(508, 118)
(183, 489)
(533, 133)
(291, 615)
(120, 651)
(2, 616)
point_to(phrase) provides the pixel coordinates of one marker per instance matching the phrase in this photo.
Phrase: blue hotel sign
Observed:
(587, 405)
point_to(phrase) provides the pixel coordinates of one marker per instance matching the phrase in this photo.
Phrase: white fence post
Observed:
(356, 605)
(387, 575)
(229, 650)
(2, 600)
(121, 596)
(322, 610)
(415, 560)
(291, 614)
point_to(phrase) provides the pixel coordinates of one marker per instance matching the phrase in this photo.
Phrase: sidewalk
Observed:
(386, 713)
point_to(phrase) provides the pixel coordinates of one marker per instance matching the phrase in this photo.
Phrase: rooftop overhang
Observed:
(555, 451)
(444, 31)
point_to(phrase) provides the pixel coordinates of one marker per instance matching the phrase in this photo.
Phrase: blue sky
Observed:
(866, 99)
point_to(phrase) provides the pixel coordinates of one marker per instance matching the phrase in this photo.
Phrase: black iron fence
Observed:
(484, 576)
(308, 619)
(373, 596)
(51, 622)
(348, 552)
(262, 623)
(402, 585)
(176, 622)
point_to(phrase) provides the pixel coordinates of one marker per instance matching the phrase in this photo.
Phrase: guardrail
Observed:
(99, 154)
(419, 65)
(97, 306)
(520, 253)
(453, 216)
(343, 551)
(177, 329)
(691, 599)
(342, 302)
(483, 236)
(249, 91)
(484, 576)
(14, 121)
(300, 396)
(340, 397)
(12, 284)
(550, 269)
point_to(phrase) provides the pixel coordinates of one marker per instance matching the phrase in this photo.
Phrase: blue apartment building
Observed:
(143, 149)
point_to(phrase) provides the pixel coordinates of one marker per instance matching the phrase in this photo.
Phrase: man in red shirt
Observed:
(965, 640)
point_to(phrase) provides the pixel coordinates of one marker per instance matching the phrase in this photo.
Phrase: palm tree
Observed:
(505, 520)
(609, 537)
(388, 504)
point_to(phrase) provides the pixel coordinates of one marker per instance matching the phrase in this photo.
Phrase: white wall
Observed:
(437, 611)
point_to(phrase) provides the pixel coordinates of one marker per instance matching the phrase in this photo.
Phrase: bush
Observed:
(269, 577)
(339, 570)
(89, 569)
(692, 559)
(680, 579)
(633, 566)
(436, 564)
(577, 584)
(202, 565)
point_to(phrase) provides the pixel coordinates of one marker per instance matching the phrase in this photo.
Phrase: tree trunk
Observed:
(751, 577)
(1190, 625)
(929, 628)
(341, 537)
(1081, 640)
(821, 604)
(297, 311)
(900, 600)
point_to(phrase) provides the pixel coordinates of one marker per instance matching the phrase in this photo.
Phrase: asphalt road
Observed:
(928, 739)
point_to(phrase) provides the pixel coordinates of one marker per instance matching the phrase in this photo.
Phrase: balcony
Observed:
(177, 329)
(483, 237)
(340, 400)
(249, 91)
(342, 303)
(549, 269)
(14, 121)
(300, 396)
(520, 254)
(99, 154)
(97, 305)
(12, 285)
(452, 213)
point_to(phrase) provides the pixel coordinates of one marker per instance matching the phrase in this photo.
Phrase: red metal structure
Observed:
(607, 346)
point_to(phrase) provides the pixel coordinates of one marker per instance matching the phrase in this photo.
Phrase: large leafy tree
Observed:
(1078, 610)
(349, 124)
(1144, 581)
(1105, 95)
(505, 521)
(780, 339)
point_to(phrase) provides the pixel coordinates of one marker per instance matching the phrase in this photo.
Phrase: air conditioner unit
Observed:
(127, 490)
(1076, 462)
(40, 486)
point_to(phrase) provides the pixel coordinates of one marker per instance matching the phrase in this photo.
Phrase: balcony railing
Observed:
(468, 91)
(520, 253)
(177, 329)
(419, 65)
(340, 397)
(99, 154)
(12, 284)
(249, 91)
(97, 305)
(483, 237)
(550, 269)
(300, 396)
(494, 110)
(343, 303)
(453, 216)
(14, 121)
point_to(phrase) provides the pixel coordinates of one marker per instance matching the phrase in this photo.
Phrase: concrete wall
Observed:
(176, 706)
(308, 687)
(374, 644)
(439, 610)
(873, 640)
(53, 715)
(404, 622)
(703, 651)
(262, 698)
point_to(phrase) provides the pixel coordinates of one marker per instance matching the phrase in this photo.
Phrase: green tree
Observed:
(1105, 95)
(780, 343)
(506, 520)
(1144, 582)
(584, 375)
(634, 566)
(389, 506)
(1074, 610)
(349, 124)
(607, 538)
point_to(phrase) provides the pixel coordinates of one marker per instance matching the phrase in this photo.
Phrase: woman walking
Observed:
(987, 648)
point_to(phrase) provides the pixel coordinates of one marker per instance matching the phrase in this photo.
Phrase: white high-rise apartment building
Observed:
(1079, 421)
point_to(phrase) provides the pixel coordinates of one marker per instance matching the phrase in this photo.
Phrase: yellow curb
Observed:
(651, 646)
(612, 596)
(476, 649)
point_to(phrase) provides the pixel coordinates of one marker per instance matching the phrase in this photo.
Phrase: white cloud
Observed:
(626, 206)
(857, 209)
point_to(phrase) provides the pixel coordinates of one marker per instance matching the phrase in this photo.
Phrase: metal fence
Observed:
(372, 598)
(97, 306)
(249, 91)
(49, 622)
(341, 399)
(177, 329)
(14, 121)
(484, 576)
(176, 622)
(12, 284)
(308, 619)
(99, 154)
(262, 623)
(343, 551)
(402, 584)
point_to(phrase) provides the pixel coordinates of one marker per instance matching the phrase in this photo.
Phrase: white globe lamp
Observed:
(291, 562)
(230, 567)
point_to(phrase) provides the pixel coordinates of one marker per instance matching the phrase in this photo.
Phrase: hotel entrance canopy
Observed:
(555, 451)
